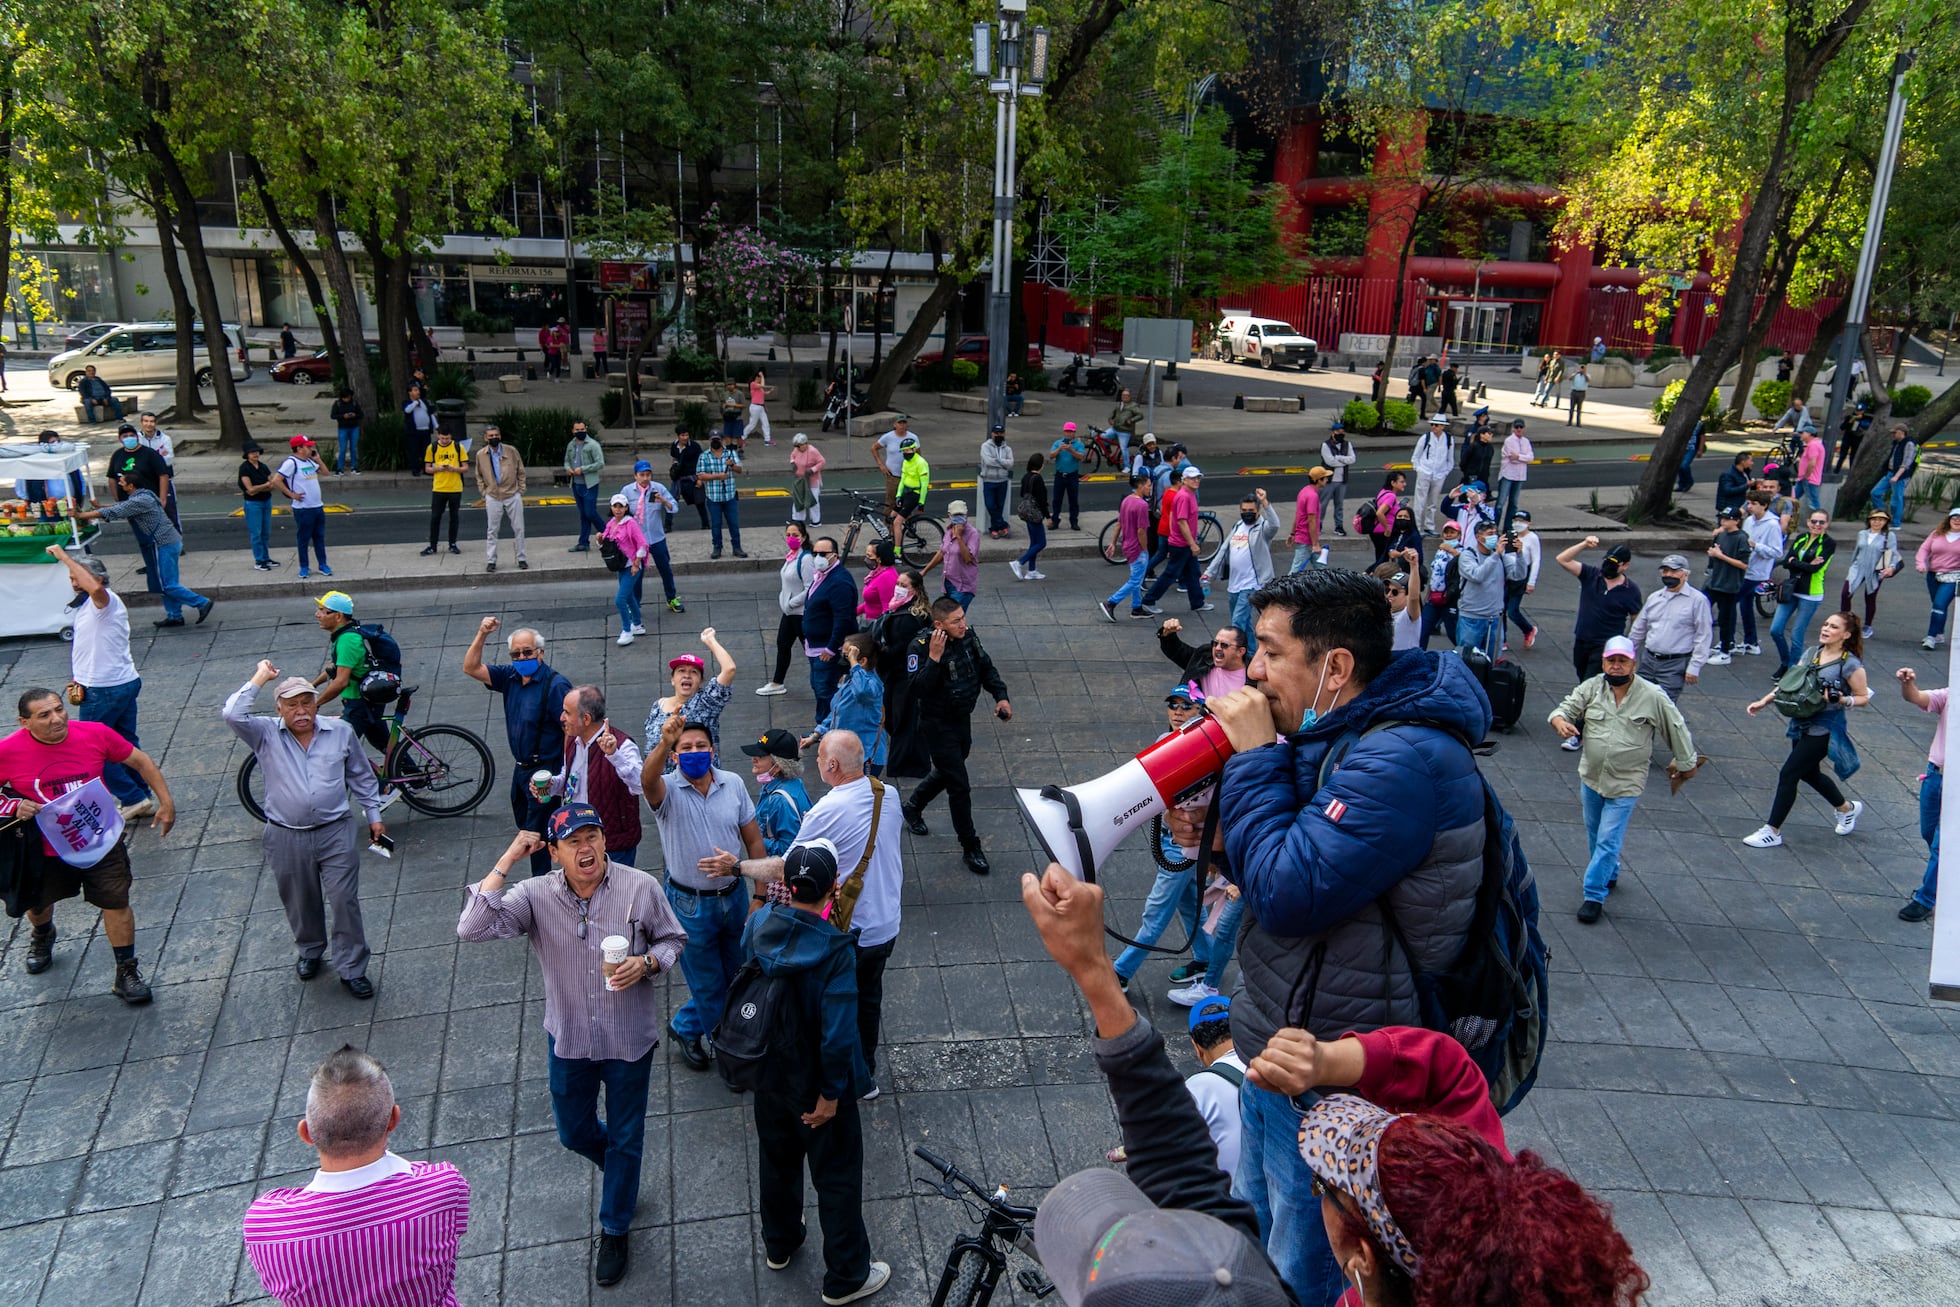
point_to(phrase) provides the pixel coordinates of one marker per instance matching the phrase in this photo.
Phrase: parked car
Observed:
(88, 333)
(974, 350)
(146, 352)
(303, 369)
(1267, 342)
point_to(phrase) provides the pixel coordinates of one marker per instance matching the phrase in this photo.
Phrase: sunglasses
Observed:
(1224, 644)
(524, 653)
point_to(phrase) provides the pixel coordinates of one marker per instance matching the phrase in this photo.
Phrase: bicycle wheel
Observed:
(1766, 603)
(443, 771)
(1109, 547)
(920, 539)
(1210, 536)
(251, 788)
(964, 1281)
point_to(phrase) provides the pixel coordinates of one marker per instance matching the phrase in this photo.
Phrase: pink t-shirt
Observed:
(877, 595)
(32, 770)
(758, 392)
(1810, 463)
(1306, 516)
(1936, 704)
(1219, 681)
(1133, 527)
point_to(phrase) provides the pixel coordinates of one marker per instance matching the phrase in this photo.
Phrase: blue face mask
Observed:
(130, 442)
(526, 666)
(1312, 714)
(695, 764)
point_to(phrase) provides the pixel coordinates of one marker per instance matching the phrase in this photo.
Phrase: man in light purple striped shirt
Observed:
(371, 1228)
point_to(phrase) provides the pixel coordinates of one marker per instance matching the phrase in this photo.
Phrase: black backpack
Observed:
(763, 1039)
(1452, 582)
(611, 554)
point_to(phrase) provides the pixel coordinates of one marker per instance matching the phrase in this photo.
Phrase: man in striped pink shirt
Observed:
(371, 1228)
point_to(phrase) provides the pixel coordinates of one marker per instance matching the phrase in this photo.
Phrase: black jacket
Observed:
(1732, 488)
(1476, 459)
(951, 687)
(1194, 662)
(346, 413)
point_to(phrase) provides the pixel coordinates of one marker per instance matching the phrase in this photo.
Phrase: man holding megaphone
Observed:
(1397, 819)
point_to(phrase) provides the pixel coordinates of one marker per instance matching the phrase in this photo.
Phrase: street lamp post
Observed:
(1020, 69)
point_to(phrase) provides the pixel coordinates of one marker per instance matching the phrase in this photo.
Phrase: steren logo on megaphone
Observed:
(1174, 770)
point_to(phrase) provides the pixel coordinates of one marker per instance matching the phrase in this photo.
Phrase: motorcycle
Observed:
(1098, 381)
(839, 403)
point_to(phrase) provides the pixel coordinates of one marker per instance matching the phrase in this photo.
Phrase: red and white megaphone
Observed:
(1081, 825)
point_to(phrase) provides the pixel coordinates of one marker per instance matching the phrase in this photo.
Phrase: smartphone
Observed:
(382, 844)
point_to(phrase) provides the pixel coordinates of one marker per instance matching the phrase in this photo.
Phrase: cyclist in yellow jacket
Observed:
(914, 482)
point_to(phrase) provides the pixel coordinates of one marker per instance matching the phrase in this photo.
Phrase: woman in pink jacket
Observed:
(806, 492)
(1939, 559)
(624, 532)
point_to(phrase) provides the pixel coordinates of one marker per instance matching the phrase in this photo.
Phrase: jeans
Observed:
(1012, 405)
(1274, 1180)
(1068, 485)
(1942, 593)
(725, 510)
(1242, 618)
(1808, 492)
(1433, 617)
(824, 677)
(1134, 586)
(1746, 606)
(624, 600)
(1224, 942)
(1507, 501)
(1929, 830)
(1179, 566)
(1477, 633)
(1797, 610)
(111, 405)
(615, 1145)
(349, 451)
(310, 527)
(994, 495)
(1890, 494)
(1303, 557)
(258, 525)
(1606, 830)
(713, 954)
(115, 707)
(657, 552)
(1172, 894)
(1334, 495)
(1514, 609)
(962, 597)
(587, 499)
(176, 597)
(1037, 541)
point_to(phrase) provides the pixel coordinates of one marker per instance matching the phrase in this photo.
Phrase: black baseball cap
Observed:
(775, 742)
(1620, 554)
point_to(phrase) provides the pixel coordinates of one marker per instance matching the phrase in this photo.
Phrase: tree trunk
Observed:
(180, 309)
(1899, 342)
(1396, 300)
(944, 291)
(1745, 373)
(347, 304)
(391, 318)
(1855, 491)
(1829, 328)
(421, 345)
(232, 431)
(7, 191)
(315, 294)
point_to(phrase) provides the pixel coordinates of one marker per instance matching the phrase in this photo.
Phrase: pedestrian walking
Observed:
(1244, 562)
(1621, 714)
(793, 580)
(1434, 458)
(1376, 519)
(1133, 540)
(1728, 558)
(370, 1226)
(1447, 383)
(255, 490)
(706, 823)
(1068, 451)
(686, 459)
(1580, 384)
(1765, 532)
(758, 409)
(715, 472)
(533, 693)
(1830, 679)
(553, 338)
(1546, 378)
(1032, 508)
(806, 1099)
(1512, 470)
(103, 680)
(1307, 514)
(806, 489)
(996, 475)
(1874, 559)
(1337, 454)
(42, 763)
(695, 697)
(829, 616)
(949, 668)
(298, 479)
(1805, 558)
(596, 342)
(147, 521)
(1173, 894)
(309, 764)
(500, 479)
(157, 440)
(585, 468)
(1674, 630)
(880, 578)
(601, 1021)
(600, 766)
(1438, 605)
(1531, 550)
(1478, 451)
(1901, 461)
(1920, 906)
(1684, 473)
(1810, 468)
(347, 418)
(1938, 560)
(442, 463)
(732, 412)
(421, 419)
(630, 547)
(1177, 524)
(889, 453)
(652, 508)
(892, 635)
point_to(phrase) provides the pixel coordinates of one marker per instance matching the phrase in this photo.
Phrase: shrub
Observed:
(484, 324)
(1400, 413)
(695, 417)
(538, 434)
(1909, 400)
(1665, 401)
(965, 373)
(685, 363)
(1663, 354)
(453, 381)
(612, 404)
(1038, 380)
(1361, 415)
(809, 396)
(1771, 398)
(382, 440)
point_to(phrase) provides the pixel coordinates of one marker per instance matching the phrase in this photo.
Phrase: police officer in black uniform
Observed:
(948, 669)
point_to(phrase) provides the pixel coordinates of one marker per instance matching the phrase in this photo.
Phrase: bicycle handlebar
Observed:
(993, 1199)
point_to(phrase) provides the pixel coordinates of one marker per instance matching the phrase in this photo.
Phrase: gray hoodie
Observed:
(1483, 580)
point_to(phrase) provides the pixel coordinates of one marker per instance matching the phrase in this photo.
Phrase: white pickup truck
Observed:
(1267, 342)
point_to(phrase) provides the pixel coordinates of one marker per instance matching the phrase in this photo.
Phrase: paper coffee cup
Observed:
(612, 949)
(541, 783)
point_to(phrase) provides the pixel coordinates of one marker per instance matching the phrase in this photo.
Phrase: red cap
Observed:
(687, 660)
(299, 442)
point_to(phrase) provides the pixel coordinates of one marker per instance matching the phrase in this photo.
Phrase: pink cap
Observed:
(687, 660)
(1068, 427)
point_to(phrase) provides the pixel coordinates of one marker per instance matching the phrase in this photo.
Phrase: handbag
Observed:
(1028, 509)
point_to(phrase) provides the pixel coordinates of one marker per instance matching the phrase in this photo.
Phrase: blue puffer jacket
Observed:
(1402, 817)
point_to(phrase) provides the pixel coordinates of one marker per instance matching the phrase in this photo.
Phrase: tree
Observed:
(747, 282)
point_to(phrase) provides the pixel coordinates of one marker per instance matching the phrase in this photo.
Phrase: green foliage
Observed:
(965, 373)
(1394, 415)
(1665, 401)
(695, 417)
(809, 395)
(1771, 398)
(453, 381)
(382, 440)
(1663, 354)
(1038, 379)
(1400, 415)
(612, 403)
(1907, 401)
(685, 363)
(1359, 415)
(538, 434)
(484, 324)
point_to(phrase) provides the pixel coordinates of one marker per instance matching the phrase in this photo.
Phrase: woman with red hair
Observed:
(1424, 1204)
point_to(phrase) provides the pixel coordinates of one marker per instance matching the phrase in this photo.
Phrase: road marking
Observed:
(281, 512)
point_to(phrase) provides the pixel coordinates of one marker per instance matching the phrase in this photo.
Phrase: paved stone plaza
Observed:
(1745, 1062)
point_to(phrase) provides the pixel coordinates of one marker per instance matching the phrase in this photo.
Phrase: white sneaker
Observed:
(1572, 745)
(141, 808)
(1033, 575)
(880, 1275)
(1192, 994)
(638, 629)
(1868, 633)
(1765, 838)
(1752, 649)
(772, 688)
(870, 1095)
(1014, 566)
(388, 797)
(625, 637)
(1929, 643)
(1719, 659)
(1848, 821)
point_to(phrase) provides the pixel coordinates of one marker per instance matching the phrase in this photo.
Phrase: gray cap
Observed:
(294, 686)
(1674, 563)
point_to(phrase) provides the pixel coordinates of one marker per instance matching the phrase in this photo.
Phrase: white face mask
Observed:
(824, 561)
(902, 594)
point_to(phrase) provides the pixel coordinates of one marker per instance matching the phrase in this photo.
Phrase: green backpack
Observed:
(1799, 694)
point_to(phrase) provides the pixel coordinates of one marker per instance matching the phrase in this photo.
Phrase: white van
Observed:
(145, 353)
(1267, 342)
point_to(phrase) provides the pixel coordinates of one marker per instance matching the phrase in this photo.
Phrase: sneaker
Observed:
(1193, 994)
(1929, 643)
(325, 570)
(1531, 637)
(388, 797)
(523, 566)
(1014, 566)
(1752, 649)
(1766, 837)
(870, 1095)
(205, 611)
(267, 567)
(637, 629)
(773, 688)
(303, 573)
(454, 550)
(625, 638)
(609, 1267)
(1914, 910)
(881, 1275)
(1781, 668)
(1188, 972)
(1590, 911)
(40, 949)
(129, 986)
(488, 567)
(1139, 612)
(1848, 821)
(1868, 633)
(778, 1263)
(1108, 609)
(738, 553)
(676, 606)
(1033, 575)
(1504, 647)
(430, 552)
(1149, 610)
(1340, 530)
(1719, 659)
(1204, 608)
(1572, 745)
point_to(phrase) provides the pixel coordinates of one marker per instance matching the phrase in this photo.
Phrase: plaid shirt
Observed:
(721, 490)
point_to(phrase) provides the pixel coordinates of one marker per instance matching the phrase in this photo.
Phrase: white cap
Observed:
(1191, 470)
(1619, 647)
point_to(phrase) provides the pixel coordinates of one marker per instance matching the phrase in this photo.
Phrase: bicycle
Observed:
(440, 771)
(975, 1262)
(1210, 536)
(918, 539)
(1103, 448)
